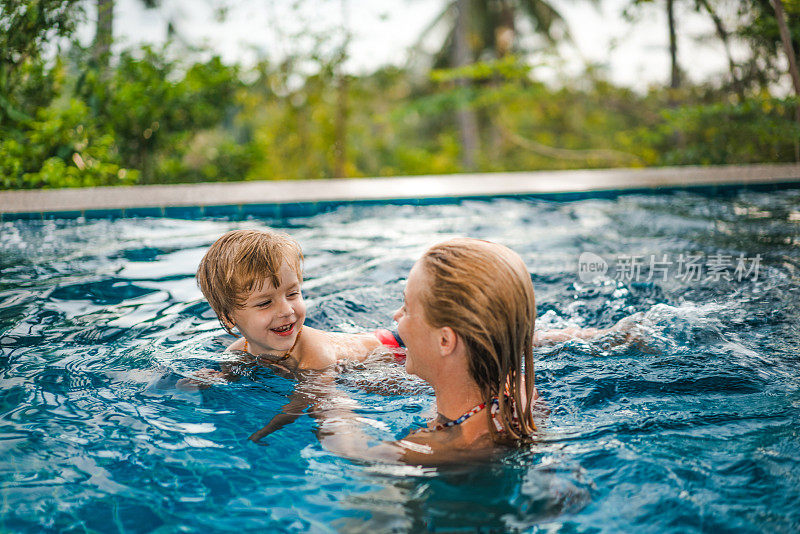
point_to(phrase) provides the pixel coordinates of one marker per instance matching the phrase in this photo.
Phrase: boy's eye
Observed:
(294, 293)
(264, 304)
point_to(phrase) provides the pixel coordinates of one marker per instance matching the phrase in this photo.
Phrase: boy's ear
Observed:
(448, 341)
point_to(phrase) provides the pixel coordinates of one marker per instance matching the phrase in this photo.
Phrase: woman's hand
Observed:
(623, 329)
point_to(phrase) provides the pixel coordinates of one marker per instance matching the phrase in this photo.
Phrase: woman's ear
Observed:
(448, 341)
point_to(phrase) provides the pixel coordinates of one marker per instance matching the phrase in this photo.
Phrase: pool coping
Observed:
(304, 197)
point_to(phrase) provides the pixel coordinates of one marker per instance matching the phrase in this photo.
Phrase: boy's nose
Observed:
(285, 309)
(396, 313)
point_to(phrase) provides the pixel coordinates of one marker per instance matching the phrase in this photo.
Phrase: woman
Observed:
(467, 321)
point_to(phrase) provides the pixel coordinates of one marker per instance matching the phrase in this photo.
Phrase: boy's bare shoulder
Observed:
(237, 345)
(313, 350)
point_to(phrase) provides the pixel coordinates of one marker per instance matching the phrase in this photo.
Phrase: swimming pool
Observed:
(690, 426)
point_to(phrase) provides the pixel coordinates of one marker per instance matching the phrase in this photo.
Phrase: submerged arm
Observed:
(205, 378)
(297, 405)
(342, 431)
(560, 335)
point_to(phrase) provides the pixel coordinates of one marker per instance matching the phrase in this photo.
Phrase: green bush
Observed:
(61, 147)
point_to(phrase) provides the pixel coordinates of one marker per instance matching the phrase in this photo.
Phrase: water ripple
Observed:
(687, 421)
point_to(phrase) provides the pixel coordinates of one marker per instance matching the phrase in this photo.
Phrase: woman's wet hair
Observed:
(483, 291)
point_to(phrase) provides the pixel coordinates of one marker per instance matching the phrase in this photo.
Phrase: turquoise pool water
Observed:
(691, 426)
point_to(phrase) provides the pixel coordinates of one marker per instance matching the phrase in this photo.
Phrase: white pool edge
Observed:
(403, 187)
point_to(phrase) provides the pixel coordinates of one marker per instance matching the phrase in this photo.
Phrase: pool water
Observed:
(691, 425)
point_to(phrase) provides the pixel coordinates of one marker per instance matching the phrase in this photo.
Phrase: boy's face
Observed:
(272, 317)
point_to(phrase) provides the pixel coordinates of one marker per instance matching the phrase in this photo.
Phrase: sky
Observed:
(382, 31)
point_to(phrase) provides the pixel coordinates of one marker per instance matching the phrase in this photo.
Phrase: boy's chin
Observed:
(283, 342)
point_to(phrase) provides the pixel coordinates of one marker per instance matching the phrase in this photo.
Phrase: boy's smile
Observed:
(272, 317)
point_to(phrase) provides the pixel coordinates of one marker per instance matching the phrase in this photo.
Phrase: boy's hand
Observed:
(202, 379)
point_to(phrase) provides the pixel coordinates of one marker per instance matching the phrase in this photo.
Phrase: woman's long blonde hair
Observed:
(483, 291)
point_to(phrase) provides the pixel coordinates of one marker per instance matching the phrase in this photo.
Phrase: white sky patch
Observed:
(382, 31)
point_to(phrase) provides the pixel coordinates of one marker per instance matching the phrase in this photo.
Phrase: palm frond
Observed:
(545, 18)
(447, 12)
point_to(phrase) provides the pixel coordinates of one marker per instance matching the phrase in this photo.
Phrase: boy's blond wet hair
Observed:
(241, 261)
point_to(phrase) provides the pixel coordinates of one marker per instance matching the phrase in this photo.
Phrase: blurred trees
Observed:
(480, 30)
(672, 32)
(104, 30)
(165, 116)
(26, 30)
(493, 27)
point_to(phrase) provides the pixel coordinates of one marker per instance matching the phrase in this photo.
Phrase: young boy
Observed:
(251, 279)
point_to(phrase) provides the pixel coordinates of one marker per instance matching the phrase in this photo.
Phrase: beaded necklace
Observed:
(454, 422)
(282, 358)
(496, 409)
(493, 413)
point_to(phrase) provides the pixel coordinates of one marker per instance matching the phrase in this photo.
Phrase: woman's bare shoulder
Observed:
(444, 448)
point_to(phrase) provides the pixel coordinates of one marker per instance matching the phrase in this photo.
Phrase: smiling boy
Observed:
(251, 279)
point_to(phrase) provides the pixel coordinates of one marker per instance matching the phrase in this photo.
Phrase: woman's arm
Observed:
(342, 431)
(560, 335)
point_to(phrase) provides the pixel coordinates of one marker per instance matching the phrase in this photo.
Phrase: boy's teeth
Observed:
(283, 328)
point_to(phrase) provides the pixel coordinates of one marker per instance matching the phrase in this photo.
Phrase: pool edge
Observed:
(273, 199)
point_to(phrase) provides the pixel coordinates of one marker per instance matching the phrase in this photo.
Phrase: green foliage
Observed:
(760, 129)
(154, 117)
(148, 121)
(61, 148)
(757, 27)
(508, 68)
(26, 27)
(153, 109)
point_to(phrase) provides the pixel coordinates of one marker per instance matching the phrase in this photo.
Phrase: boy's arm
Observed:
(202, 379)
(297, 405)
(356, 346)
(560, 335)
(205, 378)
